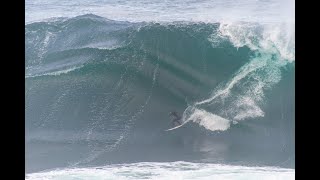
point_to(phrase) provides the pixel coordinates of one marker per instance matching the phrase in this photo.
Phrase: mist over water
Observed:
(168, 11)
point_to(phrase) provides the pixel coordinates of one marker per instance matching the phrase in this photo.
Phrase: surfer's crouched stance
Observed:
(177, 119)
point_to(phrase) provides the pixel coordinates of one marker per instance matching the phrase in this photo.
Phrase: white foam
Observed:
(243, 72)
(209, 121)
(109, 44)
(247, 108)
(240, 98)
(274, 47)
(167, 170)
(56, 73)
(276, 38)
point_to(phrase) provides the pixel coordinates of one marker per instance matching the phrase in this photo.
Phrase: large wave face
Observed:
(99, 91)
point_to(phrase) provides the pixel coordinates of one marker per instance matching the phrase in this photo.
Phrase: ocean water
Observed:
(102, 76)
(175, 170)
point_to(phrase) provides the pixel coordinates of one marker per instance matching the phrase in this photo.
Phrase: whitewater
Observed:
(102, 76)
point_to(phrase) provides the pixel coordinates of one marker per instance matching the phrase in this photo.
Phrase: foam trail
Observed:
(209, 121)
(242, 73)
(56, 73)
(273, 47)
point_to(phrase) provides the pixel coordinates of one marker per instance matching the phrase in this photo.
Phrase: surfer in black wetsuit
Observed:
(177, 119)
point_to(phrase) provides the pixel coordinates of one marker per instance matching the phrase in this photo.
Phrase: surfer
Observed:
(177, 119)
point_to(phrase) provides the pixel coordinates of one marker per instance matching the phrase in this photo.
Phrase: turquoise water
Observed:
(100, 85)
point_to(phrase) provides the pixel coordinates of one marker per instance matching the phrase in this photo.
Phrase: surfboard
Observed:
(176, 127)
